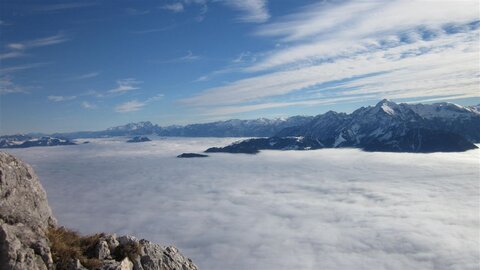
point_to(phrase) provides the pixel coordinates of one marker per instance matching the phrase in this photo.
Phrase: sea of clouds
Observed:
(323, 209)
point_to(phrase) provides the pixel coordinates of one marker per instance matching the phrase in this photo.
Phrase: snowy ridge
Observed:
(18, 142)
(387, 126)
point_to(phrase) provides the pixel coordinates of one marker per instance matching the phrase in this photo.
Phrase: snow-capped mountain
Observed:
(261, 127)
(140, 127)
(388, 126)
(22, 141)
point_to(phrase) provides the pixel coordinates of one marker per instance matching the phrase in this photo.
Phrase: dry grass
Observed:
(67, 245)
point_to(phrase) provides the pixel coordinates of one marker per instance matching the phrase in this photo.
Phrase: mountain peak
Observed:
(387, 106)
(133, 126)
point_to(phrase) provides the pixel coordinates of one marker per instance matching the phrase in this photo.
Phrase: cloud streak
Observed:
(384, 50)
(174, 7)
(125, 85)
(8, 86)
(254, 11)
(12, 69)
(85, 76)
(88, 105)
(61, 98)
(40, 42)
(64, 6)
(136, 105)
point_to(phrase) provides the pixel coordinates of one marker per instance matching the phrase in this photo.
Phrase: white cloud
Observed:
(21, 67)
(409, 55)
(51, 40)
(130, 106)
(88, 105)
(175, 7)
(153, 30)
(86, 76)
(64, 6)
(14, 54)
(136, 12)
(136, 105)
(254, 11)
(61, 98)
(155, 98)
(7, 86)
(188, 57)
(276, 210)
(244, 57)
(125, 85)
(323, 28)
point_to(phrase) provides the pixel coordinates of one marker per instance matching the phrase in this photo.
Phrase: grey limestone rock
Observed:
(24, 217)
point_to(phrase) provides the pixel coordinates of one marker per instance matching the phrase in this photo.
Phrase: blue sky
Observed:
(88, 65)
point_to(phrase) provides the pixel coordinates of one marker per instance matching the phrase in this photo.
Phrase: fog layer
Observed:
(323, 209)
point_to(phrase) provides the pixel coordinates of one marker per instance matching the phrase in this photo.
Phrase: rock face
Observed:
(25, 218)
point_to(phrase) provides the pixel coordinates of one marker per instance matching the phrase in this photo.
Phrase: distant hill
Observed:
(230, 128)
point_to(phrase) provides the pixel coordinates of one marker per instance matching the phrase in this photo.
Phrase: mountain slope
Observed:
(385, 127)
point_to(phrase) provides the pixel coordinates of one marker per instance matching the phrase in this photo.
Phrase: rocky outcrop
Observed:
(24, 217)
(26, 225)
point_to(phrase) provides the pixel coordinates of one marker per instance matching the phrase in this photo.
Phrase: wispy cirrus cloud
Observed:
(88, 105)
(136, 12)
(136, 105)
(385, 49)
(125, 85)
(64, 6)
(40, 42)
(174, 7)
(188, 57)
(61, 98)
(8, 86)
(130, 106)
(85, 76)
(13, 54)
(322, 30)
(153, 30)
(18, 49)
(16, 68)
(253, 11)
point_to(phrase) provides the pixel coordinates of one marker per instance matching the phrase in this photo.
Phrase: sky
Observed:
(277, 210)
(89, 65)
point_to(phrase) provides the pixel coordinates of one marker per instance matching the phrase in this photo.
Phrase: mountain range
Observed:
(387, 126)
